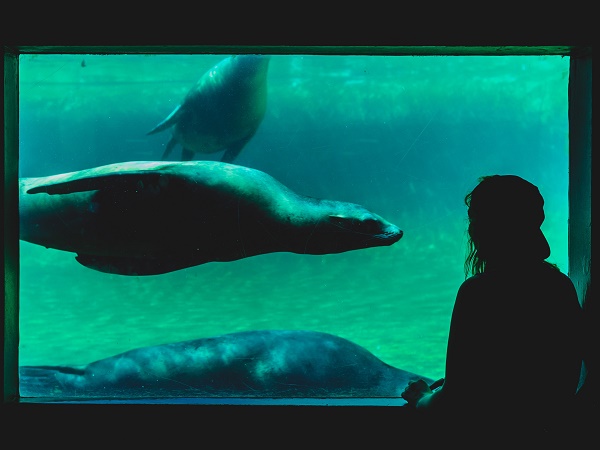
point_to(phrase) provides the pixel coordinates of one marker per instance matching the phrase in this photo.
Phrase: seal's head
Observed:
(348, 226)
(245, 69)
(505, 215)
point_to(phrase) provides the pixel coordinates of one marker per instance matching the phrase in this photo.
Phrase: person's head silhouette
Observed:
(505, 215)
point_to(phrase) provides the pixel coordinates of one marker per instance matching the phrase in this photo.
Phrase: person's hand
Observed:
(415, 392)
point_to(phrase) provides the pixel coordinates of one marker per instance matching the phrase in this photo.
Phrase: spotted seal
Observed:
(222, 111)
(154, 217)
(258, 363)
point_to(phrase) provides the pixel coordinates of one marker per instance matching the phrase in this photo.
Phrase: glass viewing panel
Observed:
(404, 137)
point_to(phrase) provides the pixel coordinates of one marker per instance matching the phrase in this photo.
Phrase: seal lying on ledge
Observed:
(267, 363)
(148, 218)
(223, 111)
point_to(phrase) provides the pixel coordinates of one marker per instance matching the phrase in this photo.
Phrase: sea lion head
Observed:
(348, 226)
(248, 70)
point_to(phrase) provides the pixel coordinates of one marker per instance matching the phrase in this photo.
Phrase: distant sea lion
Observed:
(148, 218)
(223, 111)
(265, 363)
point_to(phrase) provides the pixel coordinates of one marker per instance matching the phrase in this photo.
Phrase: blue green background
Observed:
(407, 137)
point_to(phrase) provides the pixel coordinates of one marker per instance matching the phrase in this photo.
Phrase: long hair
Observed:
(474, 264)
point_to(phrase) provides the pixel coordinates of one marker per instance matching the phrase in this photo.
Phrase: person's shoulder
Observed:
(474, 282)
(552, 274)
(473, 287)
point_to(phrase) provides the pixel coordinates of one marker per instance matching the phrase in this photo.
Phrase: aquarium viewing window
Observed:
(126, 162)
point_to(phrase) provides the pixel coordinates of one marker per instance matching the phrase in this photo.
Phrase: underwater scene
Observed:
(381, 149)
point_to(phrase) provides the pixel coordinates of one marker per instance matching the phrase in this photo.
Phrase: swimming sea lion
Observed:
(148, 218)
(266, 363)
(223, 111)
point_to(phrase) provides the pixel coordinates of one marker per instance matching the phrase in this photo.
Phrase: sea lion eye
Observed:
(369, 226)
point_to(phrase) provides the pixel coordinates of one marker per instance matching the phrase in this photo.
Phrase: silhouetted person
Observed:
(514, 350)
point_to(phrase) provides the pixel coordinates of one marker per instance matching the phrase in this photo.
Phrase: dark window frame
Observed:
(580, 172)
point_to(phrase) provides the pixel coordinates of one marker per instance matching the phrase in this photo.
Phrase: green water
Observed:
(406, 137)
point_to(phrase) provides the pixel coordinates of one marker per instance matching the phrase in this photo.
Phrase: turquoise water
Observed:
(407, 137)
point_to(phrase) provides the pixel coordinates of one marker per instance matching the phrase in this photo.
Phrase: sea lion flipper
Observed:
(170, 146)
(233, 151)
(168, 122)
(187, 154)
(74, 185)
(130, 265)
(94, 183)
